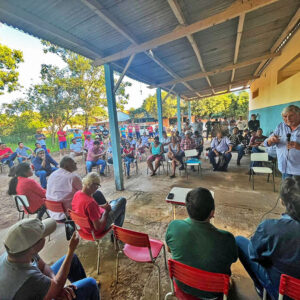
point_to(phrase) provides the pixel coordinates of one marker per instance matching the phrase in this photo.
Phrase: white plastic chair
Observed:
(194, 162)
(260, 157)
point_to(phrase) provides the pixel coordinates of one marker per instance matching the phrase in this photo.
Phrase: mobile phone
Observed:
(170, 196)
(70, 228)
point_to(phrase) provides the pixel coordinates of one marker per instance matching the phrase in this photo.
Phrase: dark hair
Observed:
(36, 144)
(20, 143)
(20, 170)
(290, 196)
(96, 143)
(156, 138)
(259, 129)
(199, 203)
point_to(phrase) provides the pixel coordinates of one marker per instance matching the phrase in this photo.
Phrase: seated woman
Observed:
(101, 216)
(141, 149)
(128, 154)
(156, 151)
(274, 249)
(175, 154)
(21, 184)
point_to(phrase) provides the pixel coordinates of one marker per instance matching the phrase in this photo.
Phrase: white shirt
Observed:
(241, 124)
(61, 187)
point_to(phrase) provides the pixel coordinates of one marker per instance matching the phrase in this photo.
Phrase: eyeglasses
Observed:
(97, 184)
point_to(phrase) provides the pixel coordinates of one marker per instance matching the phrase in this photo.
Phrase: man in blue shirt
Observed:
(288, 153)
(42, 166)
(274, 249)
(76, 149)
(221, 147)
(22, 153)
(41, 138)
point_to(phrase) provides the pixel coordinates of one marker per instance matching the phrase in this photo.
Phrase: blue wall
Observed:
(270, 117)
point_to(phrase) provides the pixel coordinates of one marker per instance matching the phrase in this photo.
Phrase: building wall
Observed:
(273, 96)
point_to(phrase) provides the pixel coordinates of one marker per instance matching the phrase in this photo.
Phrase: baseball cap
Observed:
(40, 150)
(26, 233)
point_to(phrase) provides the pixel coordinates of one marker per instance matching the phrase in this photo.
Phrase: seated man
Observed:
(132, 142)
(274, 249)
(6, 155)
(257, 140)
(42, 166)
(24, 275)
(22, 153)
(199, 143)
(197, 243)
(145, 140)
(236, 140)
(187, 143)
(101, 216)
(220, 147)
(95, 157)
(75, 148)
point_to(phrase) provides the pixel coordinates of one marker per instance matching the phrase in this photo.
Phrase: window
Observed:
(290, 69)
(255, 93)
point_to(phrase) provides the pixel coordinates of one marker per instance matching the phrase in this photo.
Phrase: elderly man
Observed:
(78, 136)
(236, 140)
(95, 157)
(197, 243)
(220, 147)
(24, 275)
(7, 156)
(286, 138)
(42, 166)
(75, 148)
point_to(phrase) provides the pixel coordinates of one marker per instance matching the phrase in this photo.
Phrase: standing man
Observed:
(253, 124)
(86, 132)
(95, 157)
(286, 138)
(208, 127)
(42, 166)
(22, 152)
(130, 130)
(137, 131)
(150, 130)
(62, 139)
(241, 124)
(123, 130)
(78, 136)
(41, 138)
(198, 126)
(232, 124)
(225, 126)
(6, 155)
(105, 133)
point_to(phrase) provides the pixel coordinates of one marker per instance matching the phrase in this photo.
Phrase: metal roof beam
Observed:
(237, 44)
(124, 72)
(181, 19)
(233, 11)
(221, 70)
(99, 10)
(170, 91)
(282, 37)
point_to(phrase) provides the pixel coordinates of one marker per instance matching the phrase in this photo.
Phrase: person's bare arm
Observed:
(58, 282)
(100, 224)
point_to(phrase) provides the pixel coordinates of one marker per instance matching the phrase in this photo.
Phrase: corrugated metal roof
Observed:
(74, 25)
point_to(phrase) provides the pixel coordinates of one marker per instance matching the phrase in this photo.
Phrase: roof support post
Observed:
(113, 126)
(159, 112)
(189, 111)
(178, 114)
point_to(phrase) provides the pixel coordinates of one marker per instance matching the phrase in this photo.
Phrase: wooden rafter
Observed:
(237, 44)
(282, 37)
(233, 11)
(222, 69)
(98, 9)
(181, 19)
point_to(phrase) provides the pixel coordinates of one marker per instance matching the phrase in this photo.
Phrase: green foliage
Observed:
(225, 105)
(9, 62)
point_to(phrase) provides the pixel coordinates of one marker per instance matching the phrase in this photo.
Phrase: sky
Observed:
(34, 57)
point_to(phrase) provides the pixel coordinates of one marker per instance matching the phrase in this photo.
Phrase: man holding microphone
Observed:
(286, 138)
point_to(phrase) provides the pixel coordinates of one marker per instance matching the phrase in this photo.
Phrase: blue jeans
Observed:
(259, 274)
(212, 156)
(91, 164)
(286, 175)
(128, 161)
(240, 150)
(138, 134)
(87, 288)
(21, 159)
(9, 160)
(42, 174)
(117, 213)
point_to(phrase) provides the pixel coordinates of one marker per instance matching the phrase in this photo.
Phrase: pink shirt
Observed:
(33, 191)
(61, 187)
(94, 151)
(88, 144)
(61, 136)
(87, 206)
(130, 128)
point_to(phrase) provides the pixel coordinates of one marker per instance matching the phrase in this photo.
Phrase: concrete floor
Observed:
(238, 209)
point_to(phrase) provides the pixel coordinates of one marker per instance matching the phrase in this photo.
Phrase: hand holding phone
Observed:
(70, 228)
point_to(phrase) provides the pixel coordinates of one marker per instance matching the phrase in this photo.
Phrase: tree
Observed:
(9, 63)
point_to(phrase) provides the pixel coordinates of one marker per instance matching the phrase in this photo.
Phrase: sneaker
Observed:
(172, 176)
(238, 162)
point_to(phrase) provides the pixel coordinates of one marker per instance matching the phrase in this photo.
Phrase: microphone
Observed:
(288, 137)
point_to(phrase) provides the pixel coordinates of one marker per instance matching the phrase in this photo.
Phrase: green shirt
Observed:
(203, 246)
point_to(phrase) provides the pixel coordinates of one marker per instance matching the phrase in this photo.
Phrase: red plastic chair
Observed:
(196, 278)
(140, 248)
(57, 207)
(83, 222)
(289, 286)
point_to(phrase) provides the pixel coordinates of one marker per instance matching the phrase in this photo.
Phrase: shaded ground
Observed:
(238, 210)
